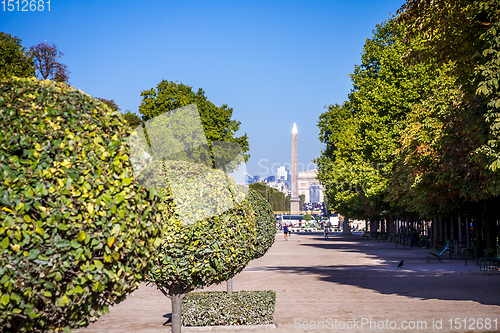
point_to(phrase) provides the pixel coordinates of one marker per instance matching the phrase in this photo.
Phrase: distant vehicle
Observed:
(292, 219)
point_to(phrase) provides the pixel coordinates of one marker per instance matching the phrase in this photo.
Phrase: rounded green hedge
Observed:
(76, 230)
(212, 250)
(265, 222)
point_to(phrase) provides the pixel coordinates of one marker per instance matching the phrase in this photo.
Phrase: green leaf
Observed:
(4, 279)
(39, 230)
(62, 301)
(34, 253)
(15, 298)
(31, 313)
(98, 264)
(81, 236)
(62, 243)
(5, 242)
(5, 299)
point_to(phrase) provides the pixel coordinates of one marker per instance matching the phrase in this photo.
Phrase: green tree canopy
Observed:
(13, 58)
(362, 135)
(420, 131)
(216, 121)
(132, 119)
(467, 35)
(277, 199)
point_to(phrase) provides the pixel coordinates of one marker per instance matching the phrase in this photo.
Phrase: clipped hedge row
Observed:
(211, 308)
(76, 230)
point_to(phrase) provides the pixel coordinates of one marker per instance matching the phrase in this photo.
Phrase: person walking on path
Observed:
(285, 232)
(326, 232)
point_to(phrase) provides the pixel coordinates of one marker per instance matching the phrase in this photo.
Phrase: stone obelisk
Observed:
(294, 200)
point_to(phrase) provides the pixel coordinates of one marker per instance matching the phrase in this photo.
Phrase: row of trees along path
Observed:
(417, 144)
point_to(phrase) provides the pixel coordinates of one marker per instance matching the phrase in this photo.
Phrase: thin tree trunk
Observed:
(446, 229)
(176, 313)
(441, 230)
(229, 285)
(467, 230)
(177, 297)
(435, 232)
(460, 239)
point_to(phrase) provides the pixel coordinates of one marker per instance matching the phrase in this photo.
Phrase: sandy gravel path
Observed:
(344, 284)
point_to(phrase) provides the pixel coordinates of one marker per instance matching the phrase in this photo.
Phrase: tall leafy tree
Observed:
(13, 58)
(362, 135)
(132, 119)
(217, 121)
(433, 162)
(277, 200)
(47, 66)
(467, 34)
(464, 36)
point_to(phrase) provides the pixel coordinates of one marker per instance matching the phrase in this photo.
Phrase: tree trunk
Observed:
(452, 229)
(229, 286)
(177, 312)
(176, 297)
(435, 232)
(478, 230)
(490, 225)
(460, 237)
(446, 229)
(467, 230)
(441, 230)
(346, 228)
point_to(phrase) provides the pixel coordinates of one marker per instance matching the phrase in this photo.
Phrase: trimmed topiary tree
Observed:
(307, 217)
(76, 229)
(212, 250)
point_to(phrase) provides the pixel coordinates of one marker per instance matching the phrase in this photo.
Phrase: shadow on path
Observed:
(449, 281)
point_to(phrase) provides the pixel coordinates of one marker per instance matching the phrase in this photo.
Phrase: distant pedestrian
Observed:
(289, 230)
(326, 231)
(285, 232)
(415, 237)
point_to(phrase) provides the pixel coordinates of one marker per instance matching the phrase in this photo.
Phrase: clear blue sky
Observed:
(274, 62)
